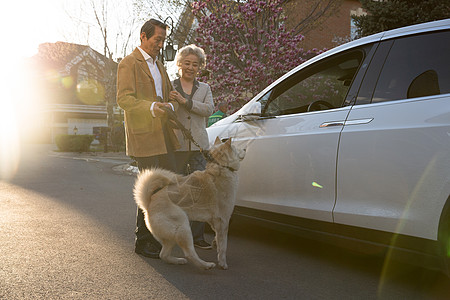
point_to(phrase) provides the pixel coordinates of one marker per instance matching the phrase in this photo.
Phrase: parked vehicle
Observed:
(354, 145)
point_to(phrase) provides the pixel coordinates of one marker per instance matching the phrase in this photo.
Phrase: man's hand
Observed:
(158, 111)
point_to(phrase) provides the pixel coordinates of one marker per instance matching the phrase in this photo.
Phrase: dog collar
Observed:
(211, 159)
(226, 167)
(229, 168)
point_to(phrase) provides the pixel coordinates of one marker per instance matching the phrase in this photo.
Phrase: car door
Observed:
(394, 153)
(290, 165)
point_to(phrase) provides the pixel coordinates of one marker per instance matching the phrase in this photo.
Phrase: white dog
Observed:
(170, 200)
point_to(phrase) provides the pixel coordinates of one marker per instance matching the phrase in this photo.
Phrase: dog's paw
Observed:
(209, 265)
(181, 261)
(223, 266)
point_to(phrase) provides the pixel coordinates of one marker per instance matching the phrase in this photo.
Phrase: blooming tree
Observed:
(248, 46)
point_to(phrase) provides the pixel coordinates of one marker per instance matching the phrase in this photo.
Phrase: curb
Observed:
(126, 168)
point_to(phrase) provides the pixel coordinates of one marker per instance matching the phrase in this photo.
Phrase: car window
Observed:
(321, 86)
(376, 62)
(416, 66)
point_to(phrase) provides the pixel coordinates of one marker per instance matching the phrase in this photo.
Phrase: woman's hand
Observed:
(174, 95)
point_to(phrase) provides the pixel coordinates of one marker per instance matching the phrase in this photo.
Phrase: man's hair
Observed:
(149, 27)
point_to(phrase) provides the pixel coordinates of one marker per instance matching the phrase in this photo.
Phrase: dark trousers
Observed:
(166, 161)
(188, 162)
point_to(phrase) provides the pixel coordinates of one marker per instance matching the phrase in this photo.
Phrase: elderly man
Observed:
(143, 88)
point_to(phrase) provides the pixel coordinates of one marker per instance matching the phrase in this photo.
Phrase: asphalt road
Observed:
(66, 232)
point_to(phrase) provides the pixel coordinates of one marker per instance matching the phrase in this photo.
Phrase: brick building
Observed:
(333, 29)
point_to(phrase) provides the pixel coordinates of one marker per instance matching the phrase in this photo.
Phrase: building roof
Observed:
(58, 55)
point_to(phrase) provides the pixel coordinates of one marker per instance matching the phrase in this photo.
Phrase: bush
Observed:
(74, 143)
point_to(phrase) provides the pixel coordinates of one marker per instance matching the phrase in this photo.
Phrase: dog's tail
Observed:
(148, 183)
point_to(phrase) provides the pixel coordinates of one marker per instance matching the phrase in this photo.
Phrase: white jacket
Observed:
(194, 117)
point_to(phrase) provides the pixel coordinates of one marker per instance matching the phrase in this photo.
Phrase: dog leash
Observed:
(187, 134)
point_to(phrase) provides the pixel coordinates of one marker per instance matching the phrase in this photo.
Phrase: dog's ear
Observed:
(217, 141)
(228, 143)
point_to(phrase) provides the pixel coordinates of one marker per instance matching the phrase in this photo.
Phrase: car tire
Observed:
(447, 251)
(444, 238)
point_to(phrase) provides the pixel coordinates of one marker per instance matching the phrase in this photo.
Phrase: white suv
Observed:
(354, 145)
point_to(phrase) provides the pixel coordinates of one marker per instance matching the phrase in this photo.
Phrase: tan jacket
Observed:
(135, 94)
(195, 116)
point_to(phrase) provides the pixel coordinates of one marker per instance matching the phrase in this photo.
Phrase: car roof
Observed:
(418, 28)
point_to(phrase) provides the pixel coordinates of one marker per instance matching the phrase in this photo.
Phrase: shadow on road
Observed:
(263, 263)
(288, 266)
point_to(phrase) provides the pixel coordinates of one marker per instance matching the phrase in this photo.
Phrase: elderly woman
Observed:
(196, 105)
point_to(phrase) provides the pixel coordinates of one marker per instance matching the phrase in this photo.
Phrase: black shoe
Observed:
(147, 249)
(202, 245)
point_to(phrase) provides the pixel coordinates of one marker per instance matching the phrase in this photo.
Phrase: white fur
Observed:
(169, 201)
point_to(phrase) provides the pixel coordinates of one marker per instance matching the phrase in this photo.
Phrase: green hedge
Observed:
(74, 143)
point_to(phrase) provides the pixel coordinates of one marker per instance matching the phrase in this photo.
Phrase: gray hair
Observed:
(191, 49)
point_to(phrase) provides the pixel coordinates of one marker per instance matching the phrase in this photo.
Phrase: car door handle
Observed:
(348, 122)
(358, 121)
(332, 124)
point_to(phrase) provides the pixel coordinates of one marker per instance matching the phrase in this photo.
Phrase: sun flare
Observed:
(9, 140)
(13, 107)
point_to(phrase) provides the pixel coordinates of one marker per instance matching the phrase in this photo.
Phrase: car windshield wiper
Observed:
(253, 117)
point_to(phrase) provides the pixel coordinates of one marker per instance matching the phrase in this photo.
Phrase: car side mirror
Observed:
(252, 112)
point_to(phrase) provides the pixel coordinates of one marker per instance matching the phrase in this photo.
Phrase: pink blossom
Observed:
(237, 65)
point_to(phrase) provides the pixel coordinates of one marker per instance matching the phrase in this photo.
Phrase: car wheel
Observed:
(444, 238)
(447, 250)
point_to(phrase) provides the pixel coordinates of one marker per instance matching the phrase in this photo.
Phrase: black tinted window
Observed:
(323, 86)
(416, 66)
